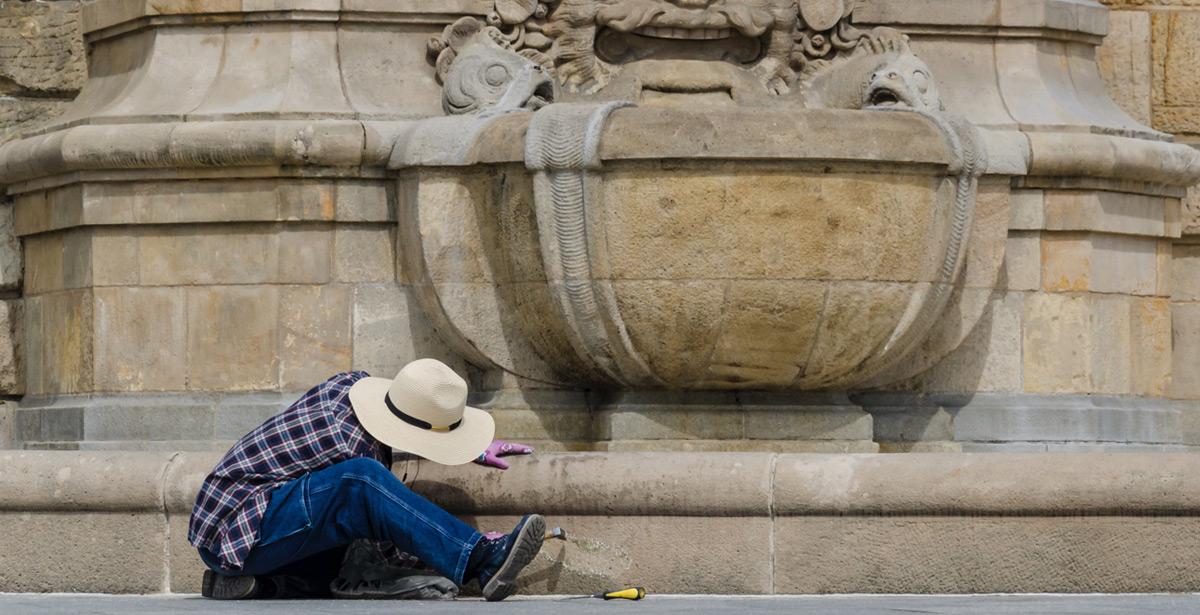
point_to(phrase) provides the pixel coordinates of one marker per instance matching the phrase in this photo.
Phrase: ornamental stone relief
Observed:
(785, 47)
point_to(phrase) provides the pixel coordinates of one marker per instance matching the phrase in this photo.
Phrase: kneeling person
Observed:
(289, 498)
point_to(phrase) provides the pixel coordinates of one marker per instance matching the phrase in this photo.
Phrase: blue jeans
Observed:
(312, 518)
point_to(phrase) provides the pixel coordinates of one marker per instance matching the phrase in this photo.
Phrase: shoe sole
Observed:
(221, 587)
(528, 542)
(413, 587)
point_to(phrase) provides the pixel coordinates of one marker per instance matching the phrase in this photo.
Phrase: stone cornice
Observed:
(105, 19)
(1084, 20)
(267, 147)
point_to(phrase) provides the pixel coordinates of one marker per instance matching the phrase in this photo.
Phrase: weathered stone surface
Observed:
(1190, 214)
(823, 447)
(117, 552)
(982, 554)
(1023, 261)
(315, 334)
(564, 484)
(250, 254)
(1028, 210)
(41, 47)
(44, 266)
(389, 330)
(1151, 346)
(365, 253)
(989, 359)
(1185, 335)
(8, 424)
(305, 254)
(1017, 420)
(62, 324)
(174, 421)
(1055, 343)
(233, 337)
(19, 114)
(140, 339)
(1125, 62)
(1108, 212)
(802, 523)
(113, 259)
(235, 416)
(609, 551)
(1100, 263)
(688, 223)
(184, 570)
(1176, 54)
(12, 341)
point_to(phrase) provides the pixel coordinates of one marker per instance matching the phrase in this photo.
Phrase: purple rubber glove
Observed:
(500, 448)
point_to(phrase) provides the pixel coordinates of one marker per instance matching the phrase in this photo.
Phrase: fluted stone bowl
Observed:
(745, 249)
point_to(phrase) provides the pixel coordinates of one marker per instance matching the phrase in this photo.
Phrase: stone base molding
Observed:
(743, 523)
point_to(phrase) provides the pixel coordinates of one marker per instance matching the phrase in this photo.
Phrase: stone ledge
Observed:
(117, 522)
(352, 146)
(671, 484)
(259, 143)
(99, 17)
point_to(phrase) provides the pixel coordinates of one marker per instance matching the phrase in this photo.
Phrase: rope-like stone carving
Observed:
(561, 147)
(971, 161)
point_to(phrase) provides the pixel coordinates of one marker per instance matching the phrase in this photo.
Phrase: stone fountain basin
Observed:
(747, 249)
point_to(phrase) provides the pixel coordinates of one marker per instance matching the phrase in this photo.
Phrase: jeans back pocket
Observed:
(287, 514)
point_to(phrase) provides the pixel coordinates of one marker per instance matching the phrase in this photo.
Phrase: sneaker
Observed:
(502, 559)
(224, 587)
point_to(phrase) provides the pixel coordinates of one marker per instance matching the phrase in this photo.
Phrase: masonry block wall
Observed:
(42, 66)
(1151, 61)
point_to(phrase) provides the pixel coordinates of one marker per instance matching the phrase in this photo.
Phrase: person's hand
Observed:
(492, 456)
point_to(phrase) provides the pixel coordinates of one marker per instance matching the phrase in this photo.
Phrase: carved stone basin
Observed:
(671, 248)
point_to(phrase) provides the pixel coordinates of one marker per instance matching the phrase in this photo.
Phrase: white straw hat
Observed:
(423, 412)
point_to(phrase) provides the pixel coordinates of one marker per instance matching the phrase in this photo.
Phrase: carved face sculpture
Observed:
(903, 80)
(598, 35)
(707, 29)
(487, 76)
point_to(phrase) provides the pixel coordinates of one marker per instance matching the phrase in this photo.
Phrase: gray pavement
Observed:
(1091, 604)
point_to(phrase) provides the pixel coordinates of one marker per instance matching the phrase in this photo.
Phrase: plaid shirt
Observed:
(317, 431)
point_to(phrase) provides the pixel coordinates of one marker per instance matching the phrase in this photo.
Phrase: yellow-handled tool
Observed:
(630, 593)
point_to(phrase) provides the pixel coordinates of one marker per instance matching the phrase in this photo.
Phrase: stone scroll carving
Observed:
(561, 146)
(786, 46)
